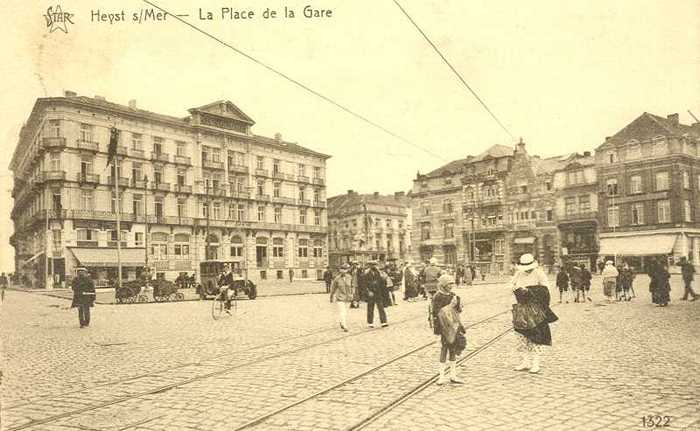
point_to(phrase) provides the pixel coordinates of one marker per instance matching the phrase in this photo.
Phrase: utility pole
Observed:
(46, 251)
(146, 229)
(206, 239)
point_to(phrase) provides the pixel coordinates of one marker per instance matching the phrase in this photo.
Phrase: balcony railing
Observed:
(261, 172)
(265, 198)
(218, 191)
(160, 157)
(278, 174)
(54, 175)
(123, 181)
(210, 164)
(183, 188)
(122, 150)
(319, 181)
(283, 200)
(584, 215)
(303, 179)
(304, 202)
(88, 145)
(243, 169)
(53, 142)
(86, 243)
(319, 203)
(240, 195)
(137, 152)
(87, 178)
(164, 187)
(182, 160)
(139, 184)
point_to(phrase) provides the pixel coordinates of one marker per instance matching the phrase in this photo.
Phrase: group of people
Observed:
(574, 279)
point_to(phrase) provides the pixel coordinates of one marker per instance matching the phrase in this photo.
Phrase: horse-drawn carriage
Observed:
(135, 291)
(164, 290)
(130, 292)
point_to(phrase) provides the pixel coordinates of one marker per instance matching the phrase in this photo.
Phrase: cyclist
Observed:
(225, 284)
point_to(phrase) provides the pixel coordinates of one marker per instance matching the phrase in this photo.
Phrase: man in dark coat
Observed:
(226, 283)
(688, 272)
(83, 296)
(328, 278)
(375, 285)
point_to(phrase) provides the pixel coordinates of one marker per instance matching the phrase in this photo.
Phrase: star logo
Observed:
(56, 19)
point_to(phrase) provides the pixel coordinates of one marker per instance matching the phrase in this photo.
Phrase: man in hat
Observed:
(226, 283)
(375, 284)
(328, 278)
(688, 272)
(342, 291)
(83, 295)
(430, 277)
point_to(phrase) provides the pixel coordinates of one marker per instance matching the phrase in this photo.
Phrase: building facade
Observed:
(369, 226)
(193, 188)
(649, 188)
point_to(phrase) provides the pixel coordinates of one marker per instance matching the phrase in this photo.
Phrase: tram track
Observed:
(219, 372)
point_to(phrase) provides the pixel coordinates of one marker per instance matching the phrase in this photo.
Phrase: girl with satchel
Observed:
(445, 309)
(531, 313)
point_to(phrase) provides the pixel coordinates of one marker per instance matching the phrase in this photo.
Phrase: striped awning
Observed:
(107, 257)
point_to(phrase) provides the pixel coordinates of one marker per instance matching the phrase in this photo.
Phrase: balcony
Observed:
(261, 172)
(137, 152)
(303, 179)
(123, 181)
(320, 204)
(53, 175)
(182, 160)
(265, 198)
(241, 169)
(86, 243)
(139, 184)
(209, 164)
(240, 195)
(160, 157)
(53, 142)
(319, 181)
(86, 178)
(304, 202)
(218, 191)
(182, 188)
(122, 150)
(579, 216)
(164, 187)
(282, 200)
(88, 145)
(278, 174)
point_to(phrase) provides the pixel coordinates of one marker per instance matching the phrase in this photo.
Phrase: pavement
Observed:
(170, 366)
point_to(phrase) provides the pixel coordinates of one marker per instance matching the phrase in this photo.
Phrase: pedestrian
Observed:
(576, 282)
(410, 282)
(472, 271)
(626, 279)
(609, 274)
(659, 285)
(586, 277)
(431, 274)
(342, 292)
(355, 272)
(291, 275)
(688, 273)
(468, 277)
(83, 296)
(601, 266)
(530, 287)
(3, 286)
(388, 285)
(563, 284)
(375, 286)
(328, 278)
(446, 307)
(459, 274)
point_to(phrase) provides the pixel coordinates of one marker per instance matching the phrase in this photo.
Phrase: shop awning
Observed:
(526, 240)
(107, 257)
(637, 245)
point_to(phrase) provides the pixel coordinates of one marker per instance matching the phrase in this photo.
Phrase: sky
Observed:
(561, 75)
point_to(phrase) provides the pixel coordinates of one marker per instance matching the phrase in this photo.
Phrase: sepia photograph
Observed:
(350, 215)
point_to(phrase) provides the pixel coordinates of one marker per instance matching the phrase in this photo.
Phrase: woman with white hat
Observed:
(530, 286)
(609, 274)
(447, 325)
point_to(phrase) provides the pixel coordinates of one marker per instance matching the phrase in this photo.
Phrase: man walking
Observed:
(291, 275)
(3, 286)
(431, 274)
(328, 278)
(375, 284)
(83, 296)
(688, 272)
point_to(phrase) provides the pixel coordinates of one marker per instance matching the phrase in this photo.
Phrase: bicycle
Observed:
(218, 304)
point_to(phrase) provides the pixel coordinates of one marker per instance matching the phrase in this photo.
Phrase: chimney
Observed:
(376, 194)
(520, 148)
(350, 192)
(278, 136)
(586, 154)
(607, 138)
(399, 195)
(69, 93)
(132, 103)
(98, 97)
(673, 118)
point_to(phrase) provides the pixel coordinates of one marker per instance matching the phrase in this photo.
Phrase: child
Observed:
(448, 326)
(563, 284)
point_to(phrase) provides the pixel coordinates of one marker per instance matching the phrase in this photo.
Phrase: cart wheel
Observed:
(253, 292)
(118, 300)
(180, 296)
(217, 307)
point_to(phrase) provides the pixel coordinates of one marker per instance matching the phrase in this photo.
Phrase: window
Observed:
(449, 229)
(317, 172)
(548, 185)
(635, 184)
(158, 207)
(317, 217)
(522, 188)
(113, 204)
(584, 203)
(661, 181)
(638, 214)
(240, 184)
(260, 162)
(611, 157)
(659, 146)
(302, 170)
(634, 151)
(276, 166)
(277, 247)
(614, 216)
(137, 171)
(85, 166)
(216, 155)
(181, 208)
(611, 187)
(181, 149)
(302, 216)
(241, 213)
(181, 177)
(182, 250)
(663, 210)
(55, 128)
(87, 235)
(448, 181)
(686, 180)
(303, 249)
(302, 193)
(216, 211)
(425, 230)
(687, 216)
(55, 162)
(261, 187)
(447, 206)
(570, 205)
(85, 132)
(278, 215)
(157, 145)
(261, 213)
(499, 246)
(317, 196)
(86, 200)
(277, 190)
(575, 177)
(318, 248)
(137, 141)
(549, 214)
(157, 175)
(137, 204)
(56, 233)
(236, 246)
(425, 209)
(205, 154)
(205, 210)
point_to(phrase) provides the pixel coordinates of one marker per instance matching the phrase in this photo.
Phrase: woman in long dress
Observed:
(659, 286)
(530, 286)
